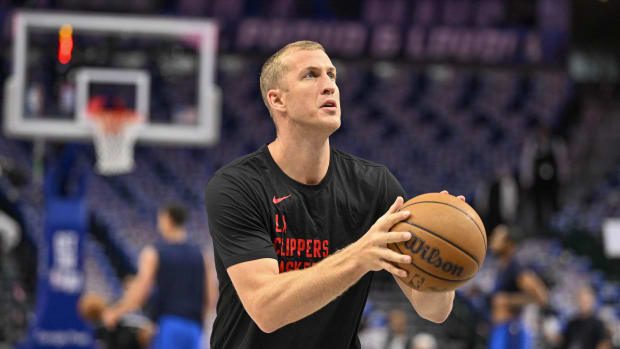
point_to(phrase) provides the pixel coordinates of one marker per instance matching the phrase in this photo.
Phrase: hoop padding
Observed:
(114, 136)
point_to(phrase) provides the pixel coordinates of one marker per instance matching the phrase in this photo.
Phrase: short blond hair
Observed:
(274, 68)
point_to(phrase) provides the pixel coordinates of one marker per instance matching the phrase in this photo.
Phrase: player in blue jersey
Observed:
(178, 270)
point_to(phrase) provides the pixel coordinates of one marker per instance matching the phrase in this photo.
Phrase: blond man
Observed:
(299, 227)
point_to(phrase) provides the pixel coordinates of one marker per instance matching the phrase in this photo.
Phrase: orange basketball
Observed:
(447, 246)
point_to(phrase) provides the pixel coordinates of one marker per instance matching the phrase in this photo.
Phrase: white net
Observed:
(114, 137)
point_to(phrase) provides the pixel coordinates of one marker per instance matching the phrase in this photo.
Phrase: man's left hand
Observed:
(110, 318)
(458, 197)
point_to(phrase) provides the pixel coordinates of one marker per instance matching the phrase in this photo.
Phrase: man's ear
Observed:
(276, 100)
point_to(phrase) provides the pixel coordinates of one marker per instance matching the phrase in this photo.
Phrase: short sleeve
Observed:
(393, 189)
(238, 231)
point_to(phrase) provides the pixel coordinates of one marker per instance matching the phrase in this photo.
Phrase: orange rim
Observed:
(113, 121)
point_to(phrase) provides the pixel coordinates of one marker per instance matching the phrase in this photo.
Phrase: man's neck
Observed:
(176, 236)
(304, 159)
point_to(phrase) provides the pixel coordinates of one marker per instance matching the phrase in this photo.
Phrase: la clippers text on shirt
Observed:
(297, 253)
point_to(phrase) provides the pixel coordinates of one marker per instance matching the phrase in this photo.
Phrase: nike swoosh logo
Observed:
(279, 200)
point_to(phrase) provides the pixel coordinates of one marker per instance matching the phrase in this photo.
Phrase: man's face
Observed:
(499, 240)
(310, 93)
(585, 301)
(163, 222)
(398, 322)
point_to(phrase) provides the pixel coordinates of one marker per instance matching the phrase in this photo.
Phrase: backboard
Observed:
(161, 68)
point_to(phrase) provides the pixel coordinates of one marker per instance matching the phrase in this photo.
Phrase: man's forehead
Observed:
(303, 59)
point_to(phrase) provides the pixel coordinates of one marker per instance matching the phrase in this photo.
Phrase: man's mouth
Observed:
(330, 105)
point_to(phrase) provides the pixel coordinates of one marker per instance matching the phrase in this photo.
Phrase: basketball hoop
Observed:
(114, 134)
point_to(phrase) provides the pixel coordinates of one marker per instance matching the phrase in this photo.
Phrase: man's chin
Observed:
(332, 125)
(324, 126)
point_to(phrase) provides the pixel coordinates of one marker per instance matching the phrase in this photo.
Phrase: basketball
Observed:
(90, 306)
(447, 246)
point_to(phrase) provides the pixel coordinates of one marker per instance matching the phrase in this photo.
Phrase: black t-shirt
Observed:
(256, 211)
(584, 333)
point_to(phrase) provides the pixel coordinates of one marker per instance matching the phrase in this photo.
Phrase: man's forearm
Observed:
(293, 295)
(133, 299)
(518, 299)
(435, 307)
(274, 299)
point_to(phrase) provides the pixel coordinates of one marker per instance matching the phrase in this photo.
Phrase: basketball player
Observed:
(133, 331)
(179, 271)
(298, 226)
(515, 288)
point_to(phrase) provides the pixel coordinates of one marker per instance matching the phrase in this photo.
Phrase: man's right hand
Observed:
(371, 249)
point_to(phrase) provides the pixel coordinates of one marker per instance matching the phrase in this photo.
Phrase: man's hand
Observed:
(436, 306)
(110, 318)
(461, 197)
(371, 249)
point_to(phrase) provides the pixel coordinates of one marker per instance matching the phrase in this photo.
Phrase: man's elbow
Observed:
(437, 314)
(266, 328)
(436, 309)
(544, 300)
(436, 317)
(265, 324)
(263, 319)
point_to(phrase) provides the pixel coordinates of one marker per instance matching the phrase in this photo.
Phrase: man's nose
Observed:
(330, 86)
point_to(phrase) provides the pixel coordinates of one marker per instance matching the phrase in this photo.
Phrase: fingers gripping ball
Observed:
(447, 246)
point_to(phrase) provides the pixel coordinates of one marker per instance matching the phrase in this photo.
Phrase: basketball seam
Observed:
(431, 274)
(446, 240)
(463, 212)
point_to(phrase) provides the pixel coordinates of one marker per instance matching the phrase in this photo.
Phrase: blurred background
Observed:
(512, 103)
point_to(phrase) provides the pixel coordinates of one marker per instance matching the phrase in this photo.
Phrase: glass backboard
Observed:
(161, 68)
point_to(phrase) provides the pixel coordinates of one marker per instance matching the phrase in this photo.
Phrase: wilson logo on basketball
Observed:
(432, 255)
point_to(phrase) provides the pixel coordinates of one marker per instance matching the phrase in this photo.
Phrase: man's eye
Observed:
(309, 75)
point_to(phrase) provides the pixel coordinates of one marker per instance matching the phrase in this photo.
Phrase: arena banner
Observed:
(467, 45)
(61, 279)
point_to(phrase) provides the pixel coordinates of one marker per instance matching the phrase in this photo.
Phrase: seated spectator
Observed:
(397, 333)
(585, 330)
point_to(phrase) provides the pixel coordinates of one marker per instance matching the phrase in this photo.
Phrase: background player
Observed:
(133, 331)
(515, 288)
(318, 207)
(185, 291)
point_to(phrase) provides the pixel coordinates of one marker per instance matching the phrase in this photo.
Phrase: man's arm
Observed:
(530, 283)
(211, 289)
(533, 290)
(605, 344)
(139, 289)
(274, 300)
(433, 307)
